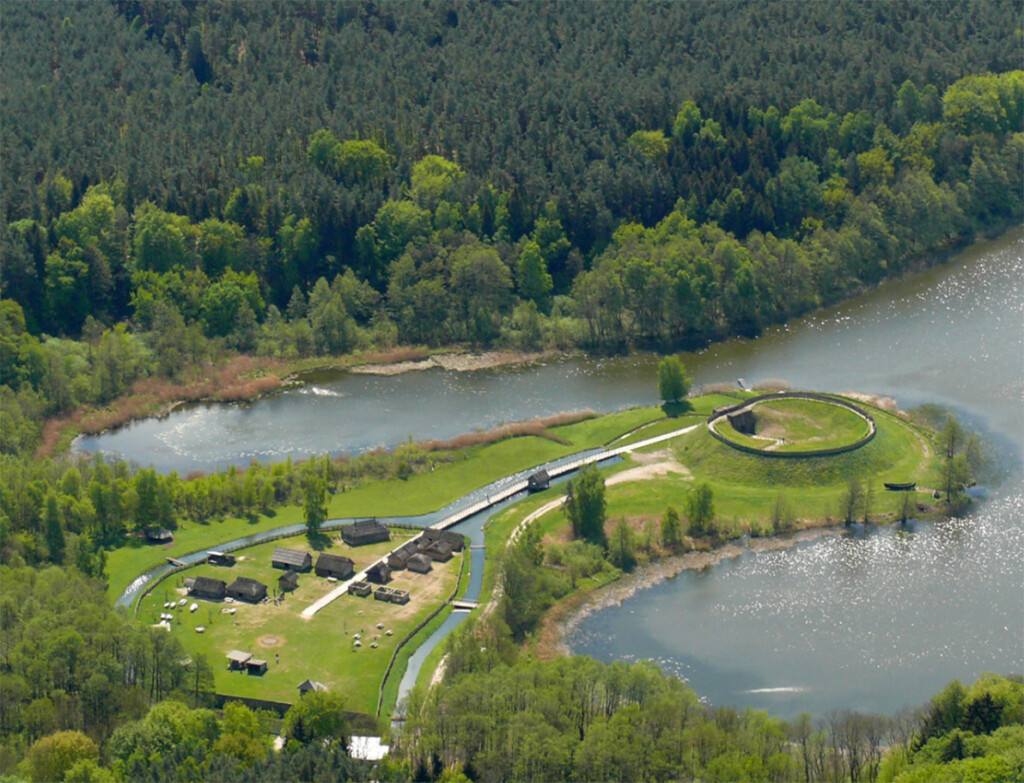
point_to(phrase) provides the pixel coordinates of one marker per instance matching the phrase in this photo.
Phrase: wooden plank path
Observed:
(497, 497)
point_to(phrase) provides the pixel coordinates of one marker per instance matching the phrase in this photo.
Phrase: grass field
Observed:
(746, 486)
(793, 425)
(421, 493)
(321, 648)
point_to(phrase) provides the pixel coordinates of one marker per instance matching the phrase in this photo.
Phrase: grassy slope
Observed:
(812, 425)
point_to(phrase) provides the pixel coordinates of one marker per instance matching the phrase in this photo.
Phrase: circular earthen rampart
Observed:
(753, 401)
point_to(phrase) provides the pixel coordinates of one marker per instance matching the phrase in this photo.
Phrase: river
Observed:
(874, 620)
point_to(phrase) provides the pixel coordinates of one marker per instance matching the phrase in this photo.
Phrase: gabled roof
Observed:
(311, 685)
(207, 584)
(420, 560)
(291, 557)
(239, 657)
(455, 541)
(334, 562)
(289, 578)
(247, 586)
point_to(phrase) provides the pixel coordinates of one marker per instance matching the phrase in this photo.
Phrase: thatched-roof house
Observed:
(439, 551)
(397, 560)
(338, 566)
(455, 541)
(419, 563)
(288, 581)
(246, 589)
(538, 481)
(159, 535)
(379, 573)
(207, 587)
(220, 559)
(365, 531)
(291, 559)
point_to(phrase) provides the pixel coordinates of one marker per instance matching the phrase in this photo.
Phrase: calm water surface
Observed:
(871, 621)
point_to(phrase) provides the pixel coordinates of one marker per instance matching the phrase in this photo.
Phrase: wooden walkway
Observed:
(498, 497)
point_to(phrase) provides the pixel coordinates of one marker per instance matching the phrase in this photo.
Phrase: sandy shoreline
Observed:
(458, 362)
(668, 567)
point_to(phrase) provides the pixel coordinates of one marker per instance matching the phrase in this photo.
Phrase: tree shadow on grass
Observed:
(319, 541)
(676, 409)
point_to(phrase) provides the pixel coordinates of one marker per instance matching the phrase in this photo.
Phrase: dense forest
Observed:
(232, 177)
(238, 186)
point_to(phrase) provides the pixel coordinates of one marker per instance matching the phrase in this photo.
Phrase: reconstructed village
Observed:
(511, 391)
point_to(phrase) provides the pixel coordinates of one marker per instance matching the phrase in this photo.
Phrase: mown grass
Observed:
(321, 647)
(803, 425)
(420, 494)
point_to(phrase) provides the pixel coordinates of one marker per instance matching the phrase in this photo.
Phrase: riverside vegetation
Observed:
(200, 199)
(528, 587)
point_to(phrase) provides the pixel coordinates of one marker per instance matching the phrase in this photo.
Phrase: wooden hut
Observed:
(255, 666)
(398, 559)
(159, 535)
(207, 587)
(365, 531)
(288, 581)
(220, 559)
(379, 573)
(538, 481)
(308, 686)
(419, 563)
(335, 565)
(238, 659)
(455, 541)
(439, 551)
(246, 589)
(291, 559)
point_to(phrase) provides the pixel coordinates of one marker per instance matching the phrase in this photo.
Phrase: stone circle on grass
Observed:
(792, 424)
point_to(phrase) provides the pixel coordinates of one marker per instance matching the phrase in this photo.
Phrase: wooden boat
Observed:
(907, 486)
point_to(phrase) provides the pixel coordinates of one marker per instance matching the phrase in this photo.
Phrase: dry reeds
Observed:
(395, 355)
(537, 427)
(241, 378)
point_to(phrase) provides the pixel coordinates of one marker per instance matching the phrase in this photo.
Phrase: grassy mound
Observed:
(795, 425)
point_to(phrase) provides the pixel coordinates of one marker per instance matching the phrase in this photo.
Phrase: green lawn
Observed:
(320, 648)
(422, 493)
(802, 425)
(745, 486)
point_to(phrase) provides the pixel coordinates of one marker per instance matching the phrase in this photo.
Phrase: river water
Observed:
(874, 620)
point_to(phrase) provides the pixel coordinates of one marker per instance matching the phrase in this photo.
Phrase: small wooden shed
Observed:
(419, 563)
(255, 666)
(379, 573)
(220, 559)
(288, 581)
(308, 686)
(238, 659)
